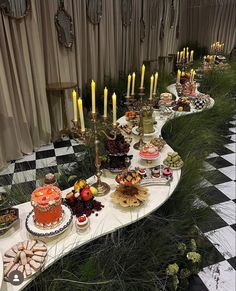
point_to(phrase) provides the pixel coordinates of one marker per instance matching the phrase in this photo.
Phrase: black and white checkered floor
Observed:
(221, 198)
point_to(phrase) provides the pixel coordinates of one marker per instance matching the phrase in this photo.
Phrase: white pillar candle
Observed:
(105, 102)
(133, 83)
(81, 114)
(155, 83)
(151, 87)
(114, 108)
(93, 86)
(128, 86)
(74, 97)
(142, 76)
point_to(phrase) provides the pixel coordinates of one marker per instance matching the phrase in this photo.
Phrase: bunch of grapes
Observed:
(117, 146)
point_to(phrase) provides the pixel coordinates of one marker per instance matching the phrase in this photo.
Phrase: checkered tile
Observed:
(30, 170)
(220, 196)
(220, 230)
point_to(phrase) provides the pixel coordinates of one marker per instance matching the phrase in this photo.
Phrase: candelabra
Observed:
(183, 64)
(85, 136)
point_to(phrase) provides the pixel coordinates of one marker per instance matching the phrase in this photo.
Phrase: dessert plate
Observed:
(32, 270)
(135, 131)
(34, 230)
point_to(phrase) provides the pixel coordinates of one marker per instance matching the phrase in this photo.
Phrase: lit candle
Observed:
(191, 56)
(187, 56)
(105, 102)
(81, 114)
(151, 87)
(181, 56)
(155, 83)
(133, 83)
(93, 86)
(178, 76)
(142, 76)
(75, 106)
(114, 108)
(184, 53)
(177, 57)
(128, 86)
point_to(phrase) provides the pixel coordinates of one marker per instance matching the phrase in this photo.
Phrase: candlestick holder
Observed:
(139, 145)
(85, 137)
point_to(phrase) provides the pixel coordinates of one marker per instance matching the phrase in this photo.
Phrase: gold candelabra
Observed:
(84, 137)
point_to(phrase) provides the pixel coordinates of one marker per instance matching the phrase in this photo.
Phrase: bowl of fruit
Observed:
(128, 178)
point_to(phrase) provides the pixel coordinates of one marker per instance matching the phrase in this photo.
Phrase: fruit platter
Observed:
(182, 104)
(27, 257)
(173, 161)
(81, 199)
(128, 177)
(159, 175)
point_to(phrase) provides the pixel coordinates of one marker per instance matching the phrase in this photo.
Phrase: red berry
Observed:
(81, 218)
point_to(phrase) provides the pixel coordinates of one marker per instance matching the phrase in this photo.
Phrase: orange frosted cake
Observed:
(46, 201)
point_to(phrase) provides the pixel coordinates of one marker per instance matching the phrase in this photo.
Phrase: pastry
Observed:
(173, 160)
(82, 222)
(158, 142)
(46, 202)
(130, 196)
(167, 172)
(156, 172)
(50, 179)
(116, 145)
(128, 177)
(166, 99)
(25, 260)
(149, 151)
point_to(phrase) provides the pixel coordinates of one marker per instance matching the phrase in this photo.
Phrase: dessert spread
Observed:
(46, 202)
(149, 151)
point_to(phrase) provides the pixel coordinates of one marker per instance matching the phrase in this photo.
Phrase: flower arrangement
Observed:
(178, 274)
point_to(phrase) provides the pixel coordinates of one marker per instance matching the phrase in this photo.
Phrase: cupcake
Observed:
(167, 172)
(156, 172)
(82, 222)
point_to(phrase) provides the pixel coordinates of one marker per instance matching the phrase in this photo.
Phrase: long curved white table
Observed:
(110, 218)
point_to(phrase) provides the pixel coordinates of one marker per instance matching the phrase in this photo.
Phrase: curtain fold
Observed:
(24, 115)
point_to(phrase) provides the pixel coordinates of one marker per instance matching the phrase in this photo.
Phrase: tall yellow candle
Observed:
(133, 83)
(178, 76)
(105, 102)
(142, 76)
(114, 108)
(181, 56)
(155, 83)
(128, 86)
(177, 57)
(187, 56)
(191, 56)
(151, 87)
(184, 53)
(75, 106)
(93, 86)
(81, 114)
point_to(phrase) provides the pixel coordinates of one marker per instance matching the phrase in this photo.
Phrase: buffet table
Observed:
(111, 218)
